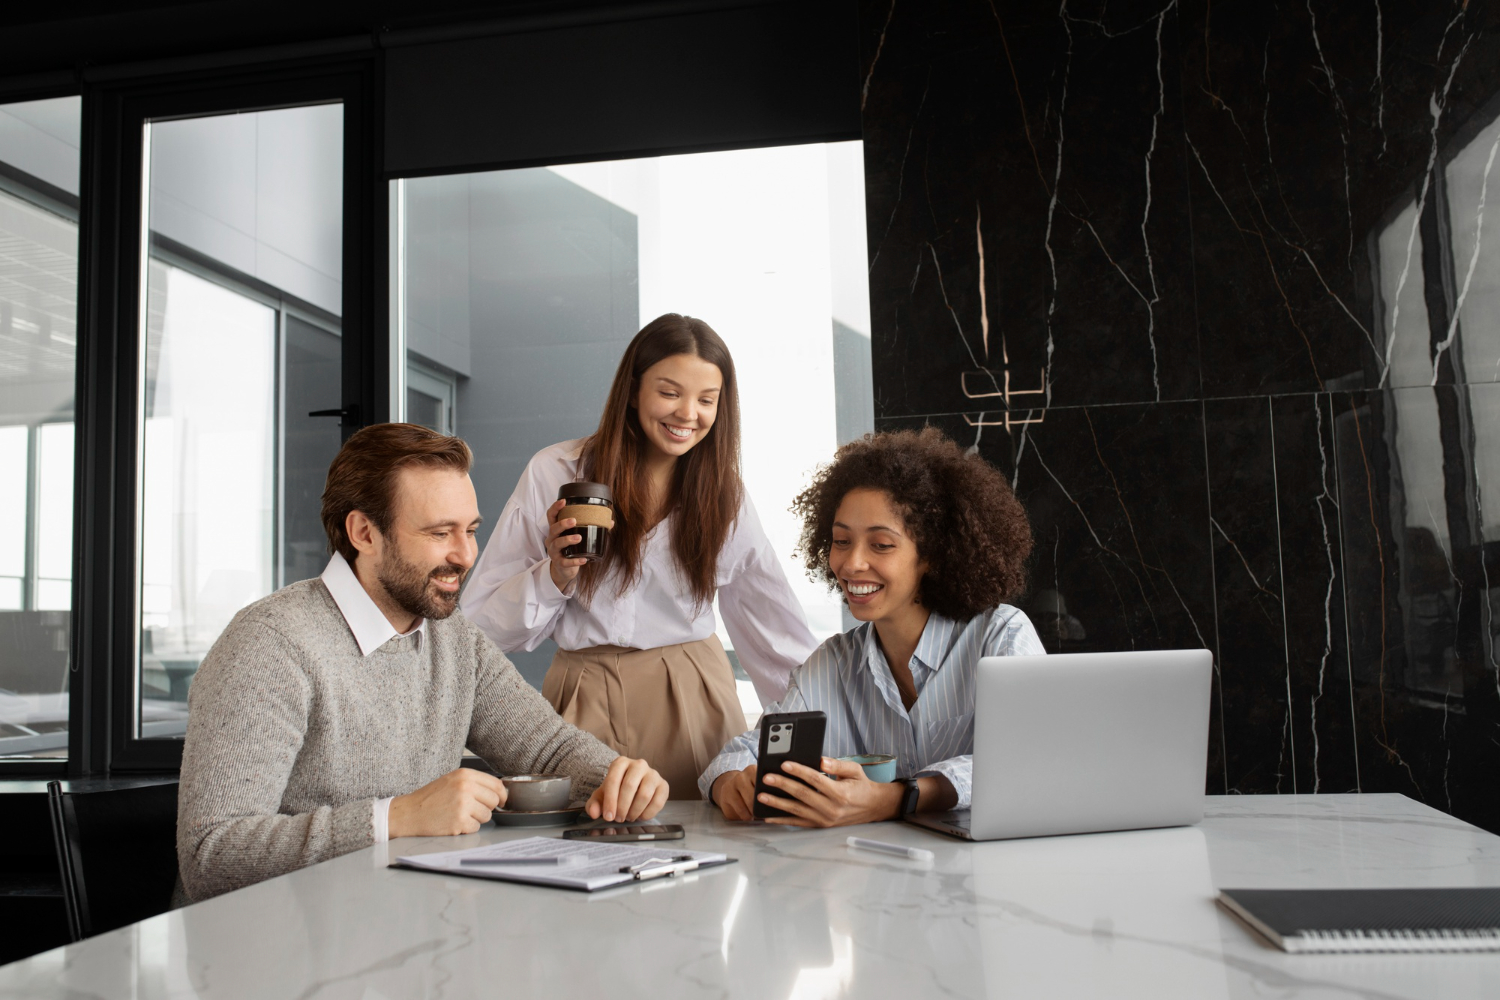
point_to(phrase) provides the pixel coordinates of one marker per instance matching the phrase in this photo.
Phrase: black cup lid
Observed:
(596, 490)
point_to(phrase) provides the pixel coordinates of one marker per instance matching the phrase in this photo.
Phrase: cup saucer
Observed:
(546, 817)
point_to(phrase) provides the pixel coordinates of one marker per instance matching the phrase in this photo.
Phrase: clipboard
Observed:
(579, 865)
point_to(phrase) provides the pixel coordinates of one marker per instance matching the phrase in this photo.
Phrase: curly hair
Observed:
(959, 510)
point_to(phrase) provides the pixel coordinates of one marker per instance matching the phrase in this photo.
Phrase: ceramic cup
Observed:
(537, 792)
(878, 766)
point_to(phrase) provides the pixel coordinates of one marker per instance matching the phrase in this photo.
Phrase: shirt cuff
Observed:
(960, 774)
(382, 819)
(546, 589)
(722, 764)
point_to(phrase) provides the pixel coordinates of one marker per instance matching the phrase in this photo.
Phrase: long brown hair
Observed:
(705, 481)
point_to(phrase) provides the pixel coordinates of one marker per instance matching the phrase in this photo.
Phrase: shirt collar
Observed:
(930, 655)
(371, 628)
(937, 638)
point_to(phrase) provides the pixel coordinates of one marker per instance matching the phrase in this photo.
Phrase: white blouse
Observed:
(512, 598)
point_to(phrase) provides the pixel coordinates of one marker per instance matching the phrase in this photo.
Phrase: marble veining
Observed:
(800, 915)
(1214, 284)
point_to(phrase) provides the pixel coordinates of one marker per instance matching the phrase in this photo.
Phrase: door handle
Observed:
(349, 413)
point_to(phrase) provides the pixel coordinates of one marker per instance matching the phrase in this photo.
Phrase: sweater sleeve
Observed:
(517, 732)
(248, 714)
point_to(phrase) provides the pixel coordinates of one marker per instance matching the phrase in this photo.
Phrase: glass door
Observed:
(241, 311)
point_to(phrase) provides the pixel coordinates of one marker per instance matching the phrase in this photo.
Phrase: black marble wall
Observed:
(1215, 282)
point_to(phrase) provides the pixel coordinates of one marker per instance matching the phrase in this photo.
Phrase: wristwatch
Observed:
(908, 797)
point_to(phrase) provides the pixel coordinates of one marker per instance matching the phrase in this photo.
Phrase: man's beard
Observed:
(408, 586)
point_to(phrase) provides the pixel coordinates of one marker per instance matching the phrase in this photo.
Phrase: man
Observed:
(331, 714)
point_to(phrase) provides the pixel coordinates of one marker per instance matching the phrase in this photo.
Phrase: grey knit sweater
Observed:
(293, 735)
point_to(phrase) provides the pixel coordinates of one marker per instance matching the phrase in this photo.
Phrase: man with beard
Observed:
(332, 714)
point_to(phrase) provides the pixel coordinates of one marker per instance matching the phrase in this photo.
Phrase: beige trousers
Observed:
(675, 706)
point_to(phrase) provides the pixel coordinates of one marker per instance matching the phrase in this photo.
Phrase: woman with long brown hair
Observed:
(638, 663)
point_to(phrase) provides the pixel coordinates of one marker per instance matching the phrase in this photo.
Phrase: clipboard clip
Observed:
(659, 867)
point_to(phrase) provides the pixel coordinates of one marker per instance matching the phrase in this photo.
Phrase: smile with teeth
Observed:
(862, 589)
(680, 433)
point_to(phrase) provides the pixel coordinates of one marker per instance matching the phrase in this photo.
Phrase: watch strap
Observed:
(909, 797)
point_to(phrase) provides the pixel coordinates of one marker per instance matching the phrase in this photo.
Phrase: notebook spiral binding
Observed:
(1475, 939)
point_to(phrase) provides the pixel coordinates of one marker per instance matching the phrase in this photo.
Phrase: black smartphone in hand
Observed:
(786, 736)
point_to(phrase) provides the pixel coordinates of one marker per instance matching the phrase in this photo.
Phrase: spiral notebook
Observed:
(1320, 920)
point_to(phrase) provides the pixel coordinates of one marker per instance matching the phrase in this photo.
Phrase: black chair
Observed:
(116, 845)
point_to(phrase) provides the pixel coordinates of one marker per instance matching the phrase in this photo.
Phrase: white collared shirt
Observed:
(372, 629)
(512, 598)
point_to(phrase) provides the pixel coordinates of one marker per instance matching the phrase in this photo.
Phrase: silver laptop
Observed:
(1086, 742)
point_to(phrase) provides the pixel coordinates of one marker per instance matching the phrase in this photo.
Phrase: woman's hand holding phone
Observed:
(819, 800)
(734, 791)
(559, 536)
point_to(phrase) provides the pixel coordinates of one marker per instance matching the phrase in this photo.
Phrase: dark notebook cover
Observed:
(1462, 919)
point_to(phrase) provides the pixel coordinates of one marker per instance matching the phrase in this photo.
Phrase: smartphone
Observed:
(617, 832)
(786, 736)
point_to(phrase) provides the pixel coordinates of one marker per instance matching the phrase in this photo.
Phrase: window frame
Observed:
(106, 529)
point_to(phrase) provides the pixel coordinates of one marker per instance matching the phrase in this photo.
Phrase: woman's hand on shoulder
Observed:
(734, 791)
(559, 536)
(818, 800)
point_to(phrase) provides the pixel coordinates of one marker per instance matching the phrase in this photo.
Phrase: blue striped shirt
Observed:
(849, 680)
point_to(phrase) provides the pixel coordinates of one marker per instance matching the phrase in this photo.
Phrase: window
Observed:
(430, 396)
(38, 342)
(242, 343)
(1441, 370)
(527, 284)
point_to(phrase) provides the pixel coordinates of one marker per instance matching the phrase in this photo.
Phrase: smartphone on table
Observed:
(615, 833)
(786, 736)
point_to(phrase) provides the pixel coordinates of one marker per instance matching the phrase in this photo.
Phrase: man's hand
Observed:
(818, 800)
(631, 790)
(734, 791)
(458, 802)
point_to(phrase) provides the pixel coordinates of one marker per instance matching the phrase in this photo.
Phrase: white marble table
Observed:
(802, 916)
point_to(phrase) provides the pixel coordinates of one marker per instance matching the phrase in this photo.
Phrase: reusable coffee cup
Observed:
(537, 792)
(878, 766)
(592, 505)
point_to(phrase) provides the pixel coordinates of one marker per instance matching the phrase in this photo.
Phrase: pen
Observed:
(914, 853)
(664, 867)
(555, 860)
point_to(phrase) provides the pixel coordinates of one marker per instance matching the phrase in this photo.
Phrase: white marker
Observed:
(914, 853)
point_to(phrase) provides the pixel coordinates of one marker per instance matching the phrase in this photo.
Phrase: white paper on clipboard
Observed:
(586, 866)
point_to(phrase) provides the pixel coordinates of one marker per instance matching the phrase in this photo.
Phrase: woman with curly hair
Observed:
(927, 544)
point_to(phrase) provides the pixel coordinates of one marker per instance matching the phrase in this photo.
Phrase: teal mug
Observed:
(878, 766)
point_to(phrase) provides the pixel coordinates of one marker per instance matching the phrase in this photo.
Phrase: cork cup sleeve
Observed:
(594, 514)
